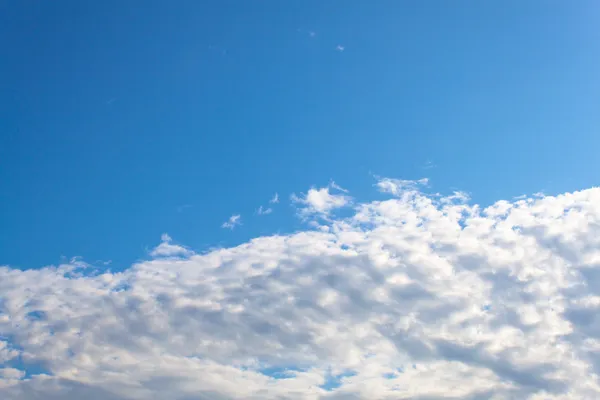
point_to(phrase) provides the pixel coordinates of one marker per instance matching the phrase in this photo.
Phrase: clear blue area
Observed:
(279, 372)
(390, 376)
(30, 368)
(123, 120)
(36, 315)
(333, 382)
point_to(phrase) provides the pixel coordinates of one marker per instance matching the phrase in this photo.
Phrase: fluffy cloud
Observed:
(321, 201)
(414, 297)
(167, 249)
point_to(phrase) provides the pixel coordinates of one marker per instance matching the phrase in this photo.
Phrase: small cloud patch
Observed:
(232, 222)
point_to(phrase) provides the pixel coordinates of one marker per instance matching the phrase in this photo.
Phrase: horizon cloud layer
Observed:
(412, 297)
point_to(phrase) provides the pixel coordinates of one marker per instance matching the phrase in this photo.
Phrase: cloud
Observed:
(340, 48)
(183, 207)
(429, 164)
(232, 222)
(167, 249)
(268, 210)
(486, 302)
(399, 186)
(321, 202)
(335, 186)
(310, 33)
(6, 353)
(264, 211)
(11, 373)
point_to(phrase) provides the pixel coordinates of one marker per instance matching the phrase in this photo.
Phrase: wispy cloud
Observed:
(335, 186)
(217, 49)
(429, 164)
(340, 48)
(183, 207)
(264, 211)
(268, 210)
(309, 33)
(399, 186)
(232, 222)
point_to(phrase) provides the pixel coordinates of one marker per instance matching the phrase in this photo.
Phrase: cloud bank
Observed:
(413, 297)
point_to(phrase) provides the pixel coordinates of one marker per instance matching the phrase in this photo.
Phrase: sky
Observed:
(309, 199)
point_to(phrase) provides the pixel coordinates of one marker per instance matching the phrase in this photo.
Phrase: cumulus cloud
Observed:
(274, 199)
(321, 201)
(232, 222)
(168, 249)
(6, 353)
(411, 297)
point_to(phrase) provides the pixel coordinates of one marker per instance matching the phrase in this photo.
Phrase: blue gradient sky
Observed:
(123, 120)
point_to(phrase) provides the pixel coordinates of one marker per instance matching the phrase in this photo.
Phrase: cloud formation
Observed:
(399, 186)
(264, 211)
(232, 222)
(320, 202)
(413, 297)
(167, 249)
(268, 210)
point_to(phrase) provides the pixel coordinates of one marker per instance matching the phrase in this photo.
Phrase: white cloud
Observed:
(340, 48)
(167, 249)
(321, 201)
(498, 302)
(429, 164)
(310, 33)
(11, 373)
(268, 210)
(232, 222)
(399, 186)
(335, 186)
(264, 211)
(6, 353)
(183, 207)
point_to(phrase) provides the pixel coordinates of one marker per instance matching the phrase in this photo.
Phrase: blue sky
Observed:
(121, 121)
(301, 200)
